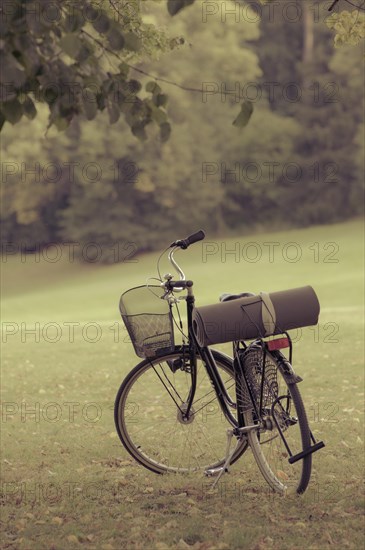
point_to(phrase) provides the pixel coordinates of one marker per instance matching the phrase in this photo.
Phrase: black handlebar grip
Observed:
(194, 238)
(182, 284)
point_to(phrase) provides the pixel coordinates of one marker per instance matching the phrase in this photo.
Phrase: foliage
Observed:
(207, 174)
(75, 58)
(327, 175)
(349, 27)
(168, 189)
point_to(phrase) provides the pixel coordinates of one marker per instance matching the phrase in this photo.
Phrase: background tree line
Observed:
(298, 162)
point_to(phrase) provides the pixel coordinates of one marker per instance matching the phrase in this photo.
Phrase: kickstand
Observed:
(229, 455)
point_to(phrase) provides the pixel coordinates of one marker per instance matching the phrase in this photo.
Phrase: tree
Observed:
(298, 162)
(77, 59)
(137, 191)
(326, 179)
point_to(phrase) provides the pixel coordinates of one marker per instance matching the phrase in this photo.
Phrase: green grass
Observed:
(70, 483)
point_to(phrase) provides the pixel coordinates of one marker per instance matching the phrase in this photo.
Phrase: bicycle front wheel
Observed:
(282, 410)
(149, 419)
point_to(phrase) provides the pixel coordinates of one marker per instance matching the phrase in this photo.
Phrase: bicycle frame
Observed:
(225, 402)
(224, 399)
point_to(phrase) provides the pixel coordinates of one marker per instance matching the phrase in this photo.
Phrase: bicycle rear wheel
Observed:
(149, 420)
(281, 406)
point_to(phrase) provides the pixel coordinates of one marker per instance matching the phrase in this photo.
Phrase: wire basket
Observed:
(148, 320)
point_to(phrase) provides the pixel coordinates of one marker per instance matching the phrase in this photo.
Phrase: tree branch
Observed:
(141, 71)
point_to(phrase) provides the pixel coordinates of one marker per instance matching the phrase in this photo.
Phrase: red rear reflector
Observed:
(279, 343)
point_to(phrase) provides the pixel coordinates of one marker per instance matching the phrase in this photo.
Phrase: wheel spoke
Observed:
(157, 434)
(280, 402)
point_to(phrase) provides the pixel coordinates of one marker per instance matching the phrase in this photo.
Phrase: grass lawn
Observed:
(67, 482)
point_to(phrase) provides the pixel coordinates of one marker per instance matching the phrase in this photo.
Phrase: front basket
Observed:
(148, 320)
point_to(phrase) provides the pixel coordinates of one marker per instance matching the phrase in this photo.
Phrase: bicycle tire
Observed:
(267, 446)
(150, 426)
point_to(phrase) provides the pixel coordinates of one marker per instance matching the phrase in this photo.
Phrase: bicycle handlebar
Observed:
(179, 284)
(194, 238)
(183, 244)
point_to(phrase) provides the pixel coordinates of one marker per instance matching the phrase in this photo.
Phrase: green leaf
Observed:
(153, 87)
(61, 123)
(243, 118)
(74, 22)
(84, 53)
(71, 44)
(101, 24)
(138, 130)
(132, 42)
(29, 108)
(165, 131)
(12, 110)
(174, 6)
(124, 70)
(90, 104)
(157, 115)
(90, 13)
(134, 86)
(50, 94)
(116, 39)
(114, 112)
(160, 100)
(12, 71)
(100, 101)
(52, 15)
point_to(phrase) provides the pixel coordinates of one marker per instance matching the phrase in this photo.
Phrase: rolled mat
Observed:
(256, 316)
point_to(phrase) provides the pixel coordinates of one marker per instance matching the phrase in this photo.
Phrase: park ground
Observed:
(67, 482)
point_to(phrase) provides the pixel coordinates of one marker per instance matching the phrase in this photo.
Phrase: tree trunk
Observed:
(308, 33)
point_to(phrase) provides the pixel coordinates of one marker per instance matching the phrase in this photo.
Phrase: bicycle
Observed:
(181, 407)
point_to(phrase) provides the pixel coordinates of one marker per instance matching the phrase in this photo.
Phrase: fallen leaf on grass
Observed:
(72, 539)
(57, 520)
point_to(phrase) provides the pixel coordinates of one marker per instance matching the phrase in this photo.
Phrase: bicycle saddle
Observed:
(226, 297)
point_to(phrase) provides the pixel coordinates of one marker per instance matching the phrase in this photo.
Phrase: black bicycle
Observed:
(188, 407)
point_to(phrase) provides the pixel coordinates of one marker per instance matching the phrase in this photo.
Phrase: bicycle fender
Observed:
(286, 368)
